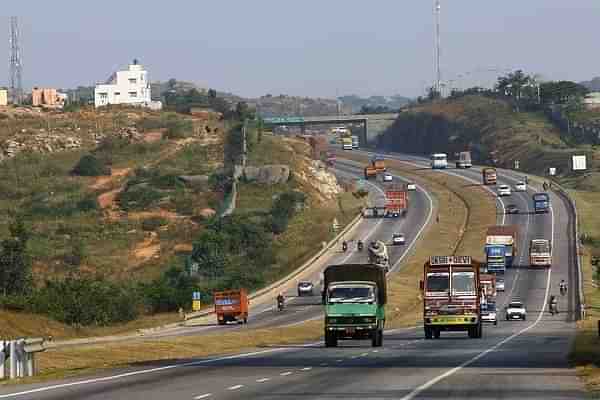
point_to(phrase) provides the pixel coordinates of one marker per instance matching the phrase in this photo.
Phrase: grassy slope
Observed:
(404, 308)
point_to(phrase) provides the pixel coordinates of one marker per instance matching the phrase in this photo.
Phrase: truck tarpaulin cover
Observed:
(358, 273)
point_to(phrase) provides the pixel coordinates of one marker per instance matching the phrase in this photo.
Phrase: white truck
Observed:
(378, 255)
(464, 160)
(540, 253)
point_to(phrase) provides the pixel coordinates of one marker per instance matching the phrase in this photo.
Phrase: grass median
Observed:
(457, 226)
(585, 355)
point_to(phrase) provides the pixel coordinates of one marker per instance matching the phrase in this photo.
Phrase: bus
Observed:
(439, 161)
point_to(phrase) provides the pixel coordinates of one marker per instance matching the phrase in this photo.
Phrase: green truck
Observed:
(354, 296)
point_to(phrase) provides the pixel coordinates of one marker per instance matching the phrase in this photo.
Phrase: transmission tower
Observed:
(16, 65)
(438, 73)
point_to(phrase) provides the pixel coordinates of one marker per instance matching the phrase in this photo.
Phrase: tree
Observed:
(15, 262)
(512, 85)
(172, 83)
(212, 93)
(561, 92)
(433, 94)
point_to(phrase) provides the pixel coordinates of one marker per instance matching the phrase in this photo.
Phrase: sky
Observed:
(316, 48)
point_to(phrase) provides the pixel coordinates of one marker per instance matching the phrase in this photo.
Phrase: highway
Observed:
(515, 360)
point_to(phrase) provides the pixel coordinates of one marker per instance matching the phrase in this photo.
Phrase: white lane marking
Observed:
(364, 354)
(149, 371)
(286, 373)
(374, 351)
(354, 357)
(454, 370)
(339, 360)
(263, 380)
(323, 365)
(236, 387)
(203, 396)
(306, 368)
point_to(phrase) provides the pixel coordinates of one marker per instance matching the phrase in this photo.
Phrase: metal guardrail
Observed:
(572, 204)
(18, 356)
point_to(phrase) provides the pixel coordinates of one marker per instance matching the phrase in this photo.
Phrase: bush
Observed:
(153, 223)
(283, 210)
(88, 204)
(172, 290)
(139, 197)
(89, 165)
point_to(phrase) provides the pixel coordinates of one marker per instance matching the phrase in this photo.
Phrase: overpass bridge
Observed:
(371, 123)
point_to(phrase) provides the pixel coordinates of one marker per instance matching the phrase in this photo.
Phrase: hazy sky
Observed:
(309, 47)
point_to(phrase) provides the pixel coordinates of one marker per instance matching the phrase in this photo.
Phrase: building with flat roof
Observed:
(130, 87)
(591, 101)
(3, 97)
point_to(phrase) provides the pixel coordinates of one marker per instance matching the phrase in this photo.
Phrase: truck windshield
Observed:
(438, 282)
(463, 283)
(352, 294)
(540, 247)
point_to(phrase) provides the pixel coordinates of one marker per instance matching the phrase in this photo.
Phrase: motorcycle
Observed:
(553, 308)
(563, 290)
(360, 246)
(344, 247)
(280, 305)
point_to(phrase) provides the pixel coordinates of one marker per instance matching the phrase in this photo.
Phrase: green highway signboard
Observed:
(284, 120)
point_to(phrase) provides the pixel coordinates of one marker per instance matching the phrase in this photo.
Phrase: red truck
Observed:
(231, 305)
(396, 201)
(452, 292)
(488, 288)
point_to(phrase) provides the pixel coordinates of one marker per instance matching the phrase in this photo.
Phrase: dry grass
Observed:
(585, 354)
(404, 308)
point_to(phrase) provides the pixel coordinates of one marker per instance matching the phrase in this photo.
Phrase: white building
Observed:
(126, 87)
(591, 100)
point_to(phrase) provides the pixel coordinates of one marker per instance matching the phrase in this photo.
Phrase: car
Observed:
(411, 186)
(521, 187)
(504, 190)
(398, 239)
(512, 209)
(500, 284)
(305, 288)
(387, 177)
(488, 313)
(516, 310)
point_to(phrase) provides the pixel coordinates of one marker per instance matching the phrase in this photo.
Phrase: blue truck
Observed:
(541, 203)
(495, 255)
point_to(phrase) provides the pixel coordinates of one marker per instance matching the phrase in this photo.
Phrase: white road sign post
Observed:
(552, 171)
(579, 163)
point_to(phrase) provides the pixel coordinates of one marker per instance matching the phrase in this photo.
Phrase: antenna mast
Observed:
(16, 65)
(438, 73)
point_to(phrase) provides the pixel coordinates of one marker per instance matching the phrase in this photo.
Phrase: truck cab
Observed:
(489, 176)
(439, 161)
(541, 203)
(355, 296)
(540, 253)
(464, 160)
(495, 258)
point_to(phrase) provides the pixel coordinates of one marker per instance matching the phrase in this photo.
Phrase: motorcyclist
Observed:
(553, 303)
(344, 245)
(563, 287)
(360, 245)
(280, 301)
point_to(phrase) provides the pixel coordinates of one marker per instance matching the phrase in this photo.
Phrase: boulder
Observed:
(194, 181)
(273, 174)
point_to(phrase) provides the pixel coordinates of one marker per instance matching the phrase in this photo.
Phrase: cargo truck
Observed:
(370, 172)
(379, 163)
(495, 258)
(439, 161)
(347, 143)
(451, 296)
(378, 255)
(354, 296)
(489, 176)
(355, 142)
(541, 203)
(396, 201)
(464, 160)
(540, 253)
(231, 305)
(488, 288)
(506, 235)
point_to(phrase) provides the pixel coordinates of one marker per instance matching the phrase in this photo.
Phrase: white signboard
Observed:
(552, 171)
(579, 163)
(447, 260)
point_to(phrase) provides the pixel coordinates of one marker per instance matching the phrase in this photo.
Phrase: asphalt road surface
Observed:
(514, 360)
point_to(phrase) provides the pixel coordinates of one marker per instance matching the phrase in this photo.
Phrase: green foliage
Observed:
(153, 223)
(15, 261)
(139, 197)
(77, 254)
(170, 292)
(284, 209)
(90, 165)
(86, 301)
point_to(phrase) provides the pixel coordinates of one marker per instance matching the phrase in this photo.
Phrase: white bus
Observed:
(439, 161)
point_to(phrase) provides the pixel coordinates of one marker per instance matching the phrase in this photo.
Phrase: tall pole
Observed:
(15, 62)
(438, 74)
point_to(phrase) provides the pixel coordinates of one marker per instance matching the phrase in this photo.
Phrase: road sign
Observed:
(552, 171)
(195, 295)
(196, 305)
(284, 120)
(579, 163)
(517, 163)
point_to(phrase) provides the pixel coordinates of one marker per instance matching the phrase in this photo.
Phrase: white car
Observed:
(398, 239)
(521, 187)
(387, 177)
(516, 310)
(488, 313)
(411, 186)
(504, 190)
(500, 284)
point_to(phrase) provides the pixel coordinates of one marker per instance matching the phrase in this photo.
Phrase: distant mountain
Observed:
(593, 85)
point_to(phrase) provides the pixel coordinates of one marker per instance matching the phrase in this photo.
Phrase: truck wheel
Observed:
(221, 322)
(436, 333)
(377, 338)
(480, 331)
(472, 333)
(428, 333)
(245, 321)
(330, 339)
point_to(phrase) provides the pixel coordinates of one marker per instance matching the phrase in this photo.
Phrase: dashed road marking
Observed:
(286, 373)
(262, 380)
(236, 387)
(364, 354)
(339, 360)
(306, 368)
(203, 396)
(323, 364)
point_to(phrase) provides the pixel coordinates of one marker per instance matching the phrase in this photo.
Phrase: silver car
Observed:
(500, 284)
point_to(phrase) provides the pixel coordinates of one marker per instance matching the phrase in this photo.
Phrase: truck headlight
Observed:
(369, 320)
